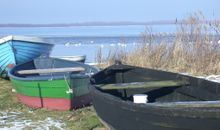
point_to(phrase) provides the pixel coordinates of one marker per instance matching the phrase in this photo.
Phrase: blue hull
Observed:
(13, 52)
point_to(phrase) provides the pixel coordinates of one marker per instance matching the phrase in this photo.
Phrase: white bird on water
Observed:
(112, 44)
(67, 44)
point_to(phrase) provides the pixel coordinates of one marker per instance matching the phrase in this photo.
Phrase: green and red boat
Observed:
(52, 83)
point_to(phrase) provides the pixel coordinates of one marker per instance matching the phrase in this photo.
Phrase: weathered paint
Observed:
(55, 103)
(50, 88)
(47, 88)
(55, 88)
(19, 51)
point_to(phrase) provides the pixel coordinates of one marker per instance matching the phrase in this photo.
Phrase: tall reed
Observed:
(195, 49)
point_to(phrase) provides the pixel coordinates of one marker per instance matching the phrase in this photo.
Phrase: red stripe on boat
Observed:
(55, 103)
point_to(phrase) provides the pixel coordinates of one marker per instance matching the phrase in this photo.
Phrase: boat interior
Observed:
(47, 67)
(124, 81)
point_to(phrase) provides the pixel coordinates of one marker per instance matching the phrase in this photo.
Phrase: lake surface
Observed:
(87, 40)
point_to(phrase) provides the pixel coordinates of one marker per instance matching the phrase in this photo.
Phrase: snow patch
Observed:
(214, 78)
(15, 121)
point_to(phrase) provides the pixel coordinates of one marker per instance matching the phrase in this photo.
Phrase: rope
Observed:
(51, 74)
(68, 84)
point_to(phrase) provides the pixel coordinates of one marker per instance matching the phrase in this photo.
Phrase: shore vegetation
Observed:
(195, 49)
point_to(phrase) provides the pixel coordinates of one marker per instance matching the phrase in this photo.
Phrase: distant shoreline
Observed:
(164, 22)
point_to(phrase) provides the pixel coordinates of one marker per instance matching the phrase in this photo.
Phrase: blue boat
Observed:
(19, 49)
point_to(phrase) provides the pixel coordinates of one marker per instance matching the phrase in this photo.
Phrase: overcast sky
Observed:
(71, 11)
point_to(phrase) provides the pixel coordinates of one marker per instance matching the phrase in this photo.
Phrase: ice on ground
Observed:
(15, 121)
(214, 78)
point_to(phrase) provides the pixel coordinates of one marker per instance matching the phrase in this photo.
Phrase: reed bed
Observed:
(195, 49)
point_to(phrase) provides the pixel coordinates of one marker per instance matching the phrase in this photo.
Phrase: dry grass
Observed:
(195, 49)
(15, 115)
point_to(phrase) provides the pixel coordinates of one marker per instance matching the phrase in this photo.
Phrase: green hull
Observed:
(56, 88)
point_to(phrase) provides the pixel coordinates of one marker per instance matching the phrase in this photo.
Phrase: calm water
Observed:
(87, 40)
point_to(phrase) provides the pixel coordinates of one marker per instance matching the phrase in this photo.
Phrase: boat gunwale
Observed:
(183, 104)
(69, 56)
(78, 58)
(52, 76)
(23, 38)
(48, 77)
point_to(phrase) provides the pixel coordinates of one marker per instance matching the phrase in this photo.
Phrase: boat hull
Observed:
(55, 103)
(194, 106)
(18, 50)
(52, 90)
(127, 116)
(53, 94)
(80, 58)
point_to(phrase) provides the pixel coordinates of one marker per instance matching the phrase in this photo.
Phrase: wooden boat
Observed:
(19, 49)
(52, 83)
(175, 101)
(79, 58)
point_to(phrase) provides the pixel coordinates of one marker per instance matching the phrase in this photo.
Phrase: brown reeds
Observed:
(195, 49)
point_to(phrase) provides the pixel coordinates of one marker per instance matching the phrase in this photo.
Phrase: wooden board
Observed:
(51, 70)
(151, 84)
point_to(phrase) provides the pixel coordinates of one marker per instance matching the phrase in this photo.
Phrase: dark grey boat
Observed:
(175, 101)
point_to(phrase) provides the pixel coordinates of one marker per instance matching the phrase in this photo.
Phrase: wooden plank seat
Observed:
(151, 84)
(51, 70)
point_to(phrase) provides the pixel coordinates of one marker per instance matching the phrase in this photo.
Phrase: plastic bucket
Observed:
(140, 98)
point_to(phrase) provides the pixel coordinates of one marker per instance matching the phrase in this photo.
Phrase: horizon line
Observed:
(121, 23)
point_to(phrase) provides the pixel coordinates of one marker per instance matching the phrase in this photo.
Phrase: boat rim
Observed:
(178, 104)
(23, 38)
(51, 76)
(69, 56)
